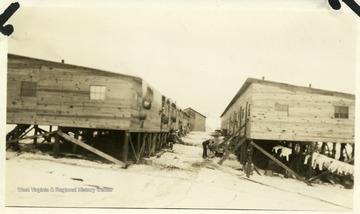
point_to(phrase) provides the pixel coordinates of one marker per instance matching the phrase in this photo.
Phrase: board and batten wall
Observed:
(62, 97)
(310, 115)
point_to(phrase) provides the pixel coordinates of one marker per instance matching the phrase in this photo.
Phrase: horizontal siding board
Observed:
(310, 116)
(63, 97)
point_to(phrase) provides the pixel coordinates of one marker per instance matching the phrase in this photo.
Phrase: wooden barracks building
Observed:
(91, 104)
(301, 122)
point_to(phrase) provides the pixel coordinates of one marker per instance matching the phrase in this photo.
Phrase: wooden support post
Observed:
(133, 149)
(50, 128)
(246, 116)
(342, 148)
(76, 136)
(35, 133)
(153, 144)
(149, 144)
(142, 147)
(249, 164)
(333, 154)
(138, 142)
(353, 150)
(126, 147)
(280, 163)
(310, 152)
(323, 148)
(56, 148)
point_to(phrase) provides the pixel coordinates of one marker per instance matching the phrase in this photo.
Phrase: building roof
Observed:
(69, 66)
(286, 86)
(186, 113)
(194, 111)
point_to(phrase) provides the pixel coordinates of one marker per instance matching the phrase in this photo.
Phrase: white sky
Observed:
(198, 54)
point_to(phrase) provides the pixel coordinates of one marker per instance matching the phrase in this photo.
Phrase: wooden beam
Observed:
(31, 137)
(142, 147)
(89, 148)
(280, 163)
(25, 133)
(228, 152)
(133, 149)
(76, 135)
(56, 148)
(138, 142)
(310, 152)
(126, 147)
(35, 133)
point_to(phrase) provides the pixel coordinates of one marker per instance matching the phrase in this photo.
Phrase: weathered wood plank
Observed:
(90, 148)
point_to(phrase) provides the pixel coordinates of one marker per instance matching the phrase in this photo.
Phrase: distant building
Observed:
(197, 120)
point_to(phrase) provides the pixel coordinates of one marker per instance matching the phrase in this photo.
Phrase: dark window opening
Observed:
(342, 112)
(281, 109)
(28, 89)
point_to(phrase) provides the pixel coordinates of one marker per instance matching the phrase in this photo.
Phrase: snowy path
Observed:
(179, 179)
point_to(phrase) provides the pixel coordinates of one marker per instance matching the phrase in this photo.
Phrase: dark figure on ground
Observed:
(213, 145)
(206, 145)
(171, 139)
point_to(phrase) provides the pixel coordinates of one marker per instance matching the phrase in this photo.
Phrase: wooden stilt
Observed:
(76, 136)
(249, 162)
(138, 142)
(342, 147)
(310, 152)
(346, 152)
(133, 149)
(142, 150)
(353, 151)
(152, 145)
(126, 147)
(35, 133)
(149, 143)
(56, 148)
(333, 154)
(50, 128)
(323, 148)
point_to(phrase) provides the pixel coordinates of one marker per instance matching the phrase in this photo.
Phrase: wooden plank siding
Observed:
(231, 119)
(63, 97)
(309, 115)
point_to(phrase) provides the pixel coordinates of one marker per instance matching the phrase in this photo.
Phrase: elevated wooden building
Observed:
(273, 113)
(88, 102)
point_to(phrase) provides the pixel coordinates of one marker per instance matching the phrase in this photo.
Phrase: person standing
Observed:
(171, 138)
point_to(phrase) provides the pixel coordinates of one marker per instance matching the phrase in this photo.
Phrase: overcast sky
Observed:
(198, 54)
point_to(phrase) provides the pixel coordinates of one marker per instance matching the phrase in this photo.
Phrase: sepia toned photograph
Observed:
(179, 106)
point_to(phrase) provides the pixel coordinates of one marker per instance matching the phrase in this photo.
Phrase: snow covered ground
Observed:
(177, 179)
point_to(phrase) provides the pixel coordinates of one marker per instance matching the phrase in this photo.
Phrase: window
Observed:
(97, 92)
(281, 109)
(28, 89)
(341, 112)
